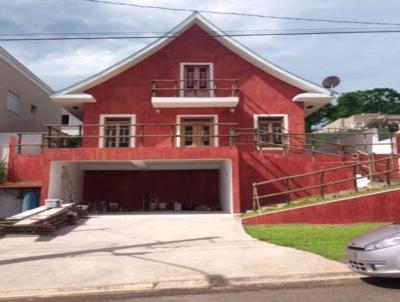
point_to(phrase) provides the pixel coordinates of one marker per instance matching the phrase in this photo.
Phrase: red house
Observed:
(194, 117)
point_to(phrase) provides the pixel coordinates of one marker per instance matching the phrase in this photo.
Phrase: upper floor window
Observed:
(12, 102)
(196, 79)
(270, 130)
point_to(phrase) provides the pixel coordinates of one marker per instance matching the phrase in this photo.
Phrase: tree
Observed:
(379, 100)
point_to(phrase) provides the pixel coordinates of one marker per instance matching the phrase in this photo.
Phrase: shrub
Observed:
(3, 171)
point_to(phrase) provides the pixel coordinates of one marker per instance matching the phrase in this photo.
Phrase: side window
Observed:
(12, 102)
(117, 132)
(270, 130)
(65, 119)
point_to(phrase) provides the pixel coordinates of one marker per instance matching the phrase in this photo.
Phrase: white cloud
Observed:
(356, 58)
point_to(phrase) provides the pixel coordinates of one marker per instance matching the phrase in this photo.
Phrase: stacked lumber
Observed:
(40, 220)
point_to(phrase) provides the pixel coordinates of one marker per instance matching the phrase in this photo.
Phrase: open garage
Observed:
(157, 185)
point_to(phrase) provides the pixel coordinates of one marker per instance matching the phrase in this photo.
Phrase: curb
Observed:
(177, 287)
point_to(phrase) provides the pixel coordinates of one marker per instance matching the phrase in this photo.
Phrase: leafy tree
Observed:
(379, 100)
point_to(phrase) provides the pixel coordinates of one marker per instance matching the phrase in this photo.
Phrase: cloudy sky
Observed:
(361, 61)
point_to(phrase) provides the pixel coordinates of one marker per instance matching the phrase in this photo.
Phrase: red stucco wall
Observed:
(130, 91)
(380, 207)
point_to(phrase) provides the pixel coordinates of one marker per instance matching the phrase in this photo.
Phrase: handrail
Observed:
(324, 184)
(132, 125)
(391, 166)
(319, 171)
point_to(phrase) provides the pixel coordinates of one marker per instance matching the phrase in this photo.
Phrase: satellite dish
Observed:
(331, 82)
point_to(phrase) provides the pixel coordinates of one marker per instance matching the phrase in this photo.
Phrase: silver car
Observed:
(376, 253)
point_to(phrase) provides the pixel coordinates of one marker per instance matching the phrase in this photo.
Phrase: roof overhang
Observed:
(73, 102)
(313, 101)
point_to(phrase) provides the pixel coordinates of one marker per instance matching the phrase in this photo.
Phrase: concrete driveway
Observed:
(115, 251)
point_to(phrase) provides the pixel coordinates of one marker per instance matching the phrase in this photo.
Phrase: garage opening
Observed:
(131, 186)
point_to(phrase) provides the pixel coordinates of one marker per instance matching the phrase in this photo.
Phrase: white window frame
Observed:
(182, 76)
(178, 128)
(285, 124)
(15, 98)
(103, 118)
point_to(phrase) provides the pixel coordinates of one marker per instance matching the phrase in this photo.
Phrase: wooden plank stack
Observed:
(40, 220)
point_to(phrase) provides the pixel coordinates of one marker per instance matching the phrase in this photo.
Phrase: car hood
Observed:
(376, 235)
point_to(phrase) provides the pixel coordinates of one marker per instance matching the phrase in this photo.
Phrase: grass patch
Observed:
(317, 199)
(326, 240)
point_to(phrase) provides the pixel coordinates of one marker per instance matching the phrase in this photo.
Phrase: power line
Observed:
(241, 14)
(244, 31)
(202, 36)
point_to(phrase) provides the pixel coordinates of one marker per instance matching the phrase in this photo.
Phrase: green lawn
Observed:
(326, 240)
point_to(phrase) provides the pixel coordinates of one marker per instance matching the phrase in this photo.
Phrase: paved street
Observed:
(344, 291)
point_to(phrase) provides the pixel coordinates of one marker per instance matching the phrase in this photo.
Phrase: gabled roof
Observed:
(227, 41)
(13, 62)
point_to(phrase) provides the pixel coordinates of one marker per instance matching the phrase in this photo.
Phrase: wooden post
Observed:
(43, 142)
(141, 135)
(177, 88)
(232, 136)
(371, 166)
(322, 187)
(355, 178)
(388, 167)
(172, 131)
(287, 187)
(358, 162)
(256, 138)
(256, 200)
(19, 143)
(49, 137)
(313, 147)
(365, 142)
(285, 145)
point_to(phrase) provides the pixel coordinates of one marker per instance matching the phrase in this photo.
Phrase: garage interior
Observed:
(163, 185)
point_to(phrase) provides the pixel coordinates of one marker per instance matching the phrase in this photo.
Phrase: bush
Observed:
(3, 171)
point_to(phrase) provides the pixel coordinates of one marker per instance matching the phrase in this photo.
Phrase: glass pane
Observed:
(110, 139)
(205, 135)
(189, 77)
(124, 133)
(203, 77)
(188, 132)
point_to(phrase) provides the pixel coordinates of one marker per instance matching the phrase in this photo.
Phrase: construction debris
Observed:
(41, 220)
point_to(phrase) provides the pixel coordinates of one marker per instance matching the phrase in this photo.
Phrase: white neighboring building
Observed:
(367, 141)
(69, 123)
(25, 105)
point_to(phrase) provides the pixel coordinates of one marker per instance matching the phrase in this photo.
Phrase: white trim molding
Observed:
(132, 132)
(195, 102)
(285, 124)
(178, 129)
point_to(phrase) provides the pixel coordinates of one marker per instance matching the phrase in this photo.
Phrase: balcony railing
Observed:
(195, 88)
(139, 135)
